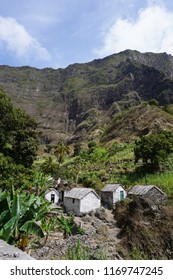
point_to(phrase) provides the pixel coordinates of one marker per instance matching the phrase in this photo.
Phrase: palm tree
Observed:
(60, 151)
(49, 166)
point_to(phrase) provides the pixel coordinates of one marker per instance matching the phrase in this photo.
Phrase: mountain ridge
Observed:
(61, 99)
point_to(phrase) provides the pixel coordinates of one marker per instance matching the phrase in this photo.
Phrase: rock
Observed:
(9, 252)
(101, 214)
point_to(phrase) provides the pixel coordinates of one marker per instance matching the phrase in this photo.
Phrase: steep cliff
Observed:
(72, 101)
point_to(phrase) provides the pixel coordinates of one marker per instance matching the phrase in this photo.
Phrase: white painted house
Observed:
(111, 194)
(81, 200)
(52, 196)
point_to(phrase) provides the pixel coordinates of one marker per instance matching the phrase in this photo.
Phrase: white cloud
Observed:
(15, 39)
(151, 31)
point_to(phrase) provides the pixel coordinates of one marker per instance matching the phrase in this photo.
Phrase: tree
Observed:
(18, 137)
(24, 142)
(49, 166)
(18, 143)
(60, 151)
(153, 149)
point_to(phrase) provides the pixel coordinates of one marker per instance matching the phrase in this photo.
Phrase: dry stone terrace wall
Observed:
(9, 252)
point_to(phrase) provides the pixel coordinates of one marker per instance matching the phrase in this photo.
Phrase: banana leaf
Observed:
(31, 227)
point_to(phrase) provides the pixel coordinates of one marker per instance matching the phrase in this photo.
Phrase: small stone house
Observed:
(52, 196)
(81, 201)
(150, 191)
(111, 194)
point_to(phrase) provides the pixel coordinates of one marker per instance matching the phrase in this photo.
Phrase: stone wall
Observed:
(72, 205)
(157, 196)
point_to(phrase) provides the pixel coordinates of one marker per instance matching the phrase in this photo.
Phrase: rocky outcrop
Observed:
(146, 229)
(9, 252)
(136, 122)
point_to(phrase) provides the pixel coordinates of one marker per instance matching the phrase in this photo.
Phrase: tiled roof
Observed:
(140, 190)
(79, 193)
(111, 187)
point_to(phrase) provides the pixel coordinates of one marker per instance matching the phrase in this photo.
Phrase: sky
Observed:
(57, 33)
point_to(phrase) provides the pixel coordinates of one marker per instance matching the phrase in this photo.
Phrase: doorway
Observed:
(52, 198)
(121, 195)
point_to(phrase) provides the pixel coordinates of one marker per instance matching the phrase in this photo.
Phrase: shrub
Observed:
(153, 102)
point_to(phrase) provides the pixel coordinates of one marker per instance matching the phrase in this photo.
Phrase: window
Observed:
(73, 200)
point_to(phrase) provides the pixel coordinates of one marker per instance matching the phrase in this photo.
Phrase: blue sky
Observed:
(56, 33)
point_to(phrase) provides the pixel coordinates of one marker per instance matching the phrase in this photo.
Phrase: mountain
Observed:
(79, 101)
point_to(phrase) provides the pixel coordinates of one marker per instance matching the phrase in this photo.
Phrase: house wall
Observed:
(48, 196)
(156, 195)
(107, 199)
(89, 202)
(116, 194)
(110, 198)
(71, 206)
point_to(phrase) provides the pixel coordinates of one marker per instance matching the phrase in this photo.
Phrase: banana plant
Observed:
(66, 225)
(19, 216)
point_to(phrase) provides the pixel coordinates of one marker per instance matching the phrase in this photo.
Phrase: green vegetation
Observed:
(153, 102)
(77, 252)
(154, 149)
(102, 106)
(136, 254)
(18, 139)
(60, 151)
(19, 217)
(18, 143)
(96, 165)
(68, 226)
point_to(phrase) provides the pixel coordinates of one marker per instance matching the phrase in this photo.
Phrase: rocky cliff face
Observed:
(77, 98)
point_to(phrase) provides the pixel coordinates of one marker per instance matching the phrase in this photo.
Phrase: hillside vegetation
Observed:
(107, 121)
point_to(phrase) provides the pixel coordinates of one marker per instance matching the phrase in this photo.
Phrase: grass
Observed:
(163, 180)
(78, 252)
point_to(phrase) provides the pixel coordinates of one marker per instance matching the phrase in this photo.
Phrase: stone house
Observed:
(149, 191)
(52, 196)
(111, 194)
(81, 201)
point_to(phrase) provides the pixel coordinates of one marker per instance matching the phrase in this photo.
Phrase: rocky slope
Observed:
(72, 101)
(100, 237)
(136, 122)
(146, 229)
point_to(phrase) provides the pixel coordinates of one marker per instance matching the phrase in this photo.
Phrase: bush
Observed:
(68, 226)
(153, 102)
